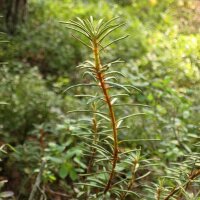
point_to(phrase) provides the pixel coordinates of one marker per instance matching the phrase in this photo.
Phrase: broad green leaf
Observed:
(63, 171)
(73, 175)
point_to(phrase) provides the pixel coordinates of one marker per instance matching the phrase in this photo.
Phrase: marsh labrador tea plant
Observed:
(110, 172)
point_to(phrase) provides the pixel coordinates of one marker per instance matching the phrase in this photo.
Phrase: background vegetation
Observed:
(162, 58)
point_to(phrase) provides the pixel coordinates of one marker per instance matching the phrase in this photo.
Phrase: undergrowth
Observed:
(111, 172)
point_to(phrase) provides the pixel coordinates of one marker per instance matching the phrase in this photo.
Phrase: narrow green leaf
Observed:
(119, 123)
(126, 152)
(3, 103)
(89, 27)
(127, 191)
(132, 86)
(92, 174)
(118, 86)
(90, 111)
(90, 63)
(108, 22)
(117, 40)
(91, 69)
(103, 116)
(99, 24)
(82, 42)
(79, 85)
(73, 23)
(106, 29)
(110, 78)
(84, 95)
(81, 21)
(106, 26)
(93, 99)
(115, 72)
(81, 26)
(110, 31)
(119, 95)
(132, 115)
(113, 101)
(90, 74)
(143, 176)
(89, 184)
(100, 148)
(96, 181)
(103, 159)
(136, 140)
(5, 41)
(121, 181)
(129, 104)
(75, 29)
(113, 62)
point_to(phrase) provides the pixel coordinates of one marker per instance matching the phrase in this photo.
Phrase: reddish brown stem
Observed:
(104, 88)
(172, 193)
(42, 136)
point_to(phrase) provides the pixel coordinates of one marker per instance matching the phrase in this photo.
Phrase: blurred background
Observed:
(38, 57)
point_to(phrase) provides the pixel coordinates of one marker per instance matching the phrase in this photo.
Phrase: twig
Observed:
(56, 193)
(37, 182)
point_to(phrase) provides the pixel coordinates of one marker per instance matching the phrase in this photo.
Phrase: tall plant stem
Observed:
(100, 77)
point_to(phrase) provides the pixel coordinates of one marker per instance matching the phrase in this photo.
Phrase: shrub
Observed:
(29, 102)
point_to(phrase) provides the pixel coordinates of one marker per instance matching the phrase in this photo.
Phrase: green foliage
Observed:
(28, 100)
(162, 60)
(4, 194)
